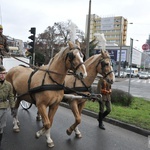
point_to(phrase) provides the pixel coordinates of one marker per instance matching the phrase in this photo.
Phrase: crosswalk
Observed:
(139, 80)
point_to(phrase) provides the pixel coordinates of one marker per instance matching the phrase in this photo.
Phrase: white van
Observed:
(134, 72)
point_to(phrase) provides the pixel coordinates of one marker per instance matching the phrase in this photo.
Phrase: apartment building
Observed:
(114, 29)
(16, 46)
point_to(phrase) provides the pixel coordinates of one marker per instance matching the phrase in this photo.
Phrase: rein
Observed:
(35, 67)
(103, 65)
(54, 87)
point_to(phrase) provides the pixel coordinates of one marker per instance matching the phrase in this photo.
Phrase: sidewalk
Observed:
(113, 121)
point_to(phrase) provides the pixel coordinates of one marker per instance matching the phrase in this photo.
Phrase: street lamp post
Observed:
(131, 51)
(88, 31)
(121, 36)
(119, 65)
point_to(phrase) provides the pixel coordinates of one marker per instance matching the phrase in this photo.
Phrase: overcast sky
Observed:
(18, 16)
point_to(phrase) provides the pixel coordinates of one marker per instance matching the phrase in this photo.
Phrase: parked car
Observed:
(132, 71)
(149, 75)
(143, 75)
(123, 74)
(139, 73)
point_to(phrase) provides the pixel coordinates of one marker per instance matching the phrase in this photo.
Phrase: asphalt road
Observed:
(113, 138)
(138, 87)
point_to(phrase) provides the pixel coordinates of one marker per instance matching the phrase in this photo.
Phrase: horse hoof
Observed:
(78, 136)
(16, 130)
(18, 123)
(51, 144)
(37, 135)
(68, 132)
(39, 118)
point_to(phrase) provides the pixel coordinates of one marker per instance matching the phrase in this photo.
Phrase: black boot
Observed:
(100, 120)
(1, 135)
(105, 114)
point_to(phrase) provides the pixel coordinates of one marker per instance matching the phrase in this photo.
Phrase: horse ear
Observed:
(70, 45)
(103, 52)
(78, 44)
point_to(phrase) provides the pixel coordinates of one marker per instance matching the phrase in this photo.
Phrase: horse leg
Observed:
(40, 132)
(48, 138)
(80, 108)
(47, 125)
(15, 118)
(38, 117)
(77, 132)
(51, 113)
(75, 110)
(16, 124)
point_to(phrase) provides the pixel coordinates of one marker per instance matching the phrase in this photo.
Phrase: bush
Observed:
(121, 97)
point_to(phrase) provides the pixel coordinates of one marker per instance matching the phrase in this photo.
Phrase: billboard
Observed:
(107, 23)
(136, 57)
(114, 54)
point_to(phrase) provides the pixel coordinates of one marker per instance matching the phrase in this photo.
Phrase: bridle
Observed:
(103, 64)
(71, 57)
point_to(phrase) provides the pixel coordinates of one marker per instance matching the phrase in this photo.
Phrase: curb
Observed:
(129, 127)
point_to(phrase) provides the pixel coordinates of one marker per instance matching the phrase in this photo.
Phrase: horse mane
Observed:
(61, 53)
(92, 59)
(23, 66)
(96, 58)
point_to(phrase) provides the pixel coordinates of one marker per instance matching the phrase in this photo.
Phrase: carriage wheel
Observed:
(25, 105)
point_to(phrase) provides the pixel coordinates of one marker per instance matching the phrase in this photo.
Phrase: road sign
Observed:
(145, 46)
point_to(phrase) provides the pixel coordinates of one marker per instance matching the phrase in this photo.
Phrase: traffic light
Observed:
(31, 45)
(32, 37)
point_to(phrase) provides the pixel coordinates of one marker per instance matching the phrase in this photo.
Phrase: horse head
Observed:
(105, 68)
(74, 60)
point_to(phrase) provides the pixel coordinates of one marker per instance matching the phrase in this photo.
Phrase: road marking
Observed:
(138, 80)
(144, 81)
(132, 80)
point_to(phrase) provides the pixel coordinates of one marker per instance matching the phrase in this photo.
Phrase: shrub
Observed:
(121, 97)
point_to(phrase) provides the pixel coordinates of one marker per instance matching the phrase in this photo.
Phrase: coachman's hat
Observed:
(1, 27)
(2, 68)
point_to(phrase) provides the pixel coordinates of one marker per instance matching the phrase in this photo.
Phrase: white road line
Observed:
(138, 81)
(144, 81)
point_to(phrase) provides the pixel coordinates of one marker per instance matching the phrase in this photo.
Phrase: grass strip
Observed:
(138, 113)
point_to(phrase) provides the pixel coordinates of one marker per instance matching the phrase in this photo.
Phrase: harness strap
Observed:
(29, 84)
(52, 87)
(77, 92)
(79, 89)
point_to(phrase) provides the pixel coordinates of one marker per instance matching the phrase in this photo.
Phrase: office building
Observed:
(114, 29)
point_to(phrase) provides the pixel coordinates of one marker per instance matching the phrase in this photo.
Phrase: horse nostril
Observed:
(111, 81)
(81, 75)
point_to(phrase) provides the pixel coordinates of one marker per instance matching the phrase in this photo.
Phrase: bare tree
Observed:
(53, 38)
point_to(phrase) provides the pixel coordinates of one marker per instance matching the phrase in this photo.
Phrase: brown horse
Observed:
(44, 87)
(99, 63)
